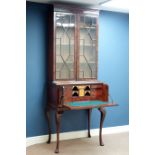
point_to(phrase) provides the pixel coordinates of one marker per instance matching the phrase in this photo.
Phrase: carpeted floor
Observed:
(115, 144)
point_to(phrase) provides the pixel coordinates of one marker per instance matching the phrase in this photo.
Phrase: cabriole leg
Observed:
(89, 116)
(58, 119)
(103, 113)
(49, 124)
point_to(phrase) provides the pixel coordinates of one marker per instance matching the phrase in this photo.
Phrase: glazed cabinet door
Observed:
(87, 47)
(64, 46)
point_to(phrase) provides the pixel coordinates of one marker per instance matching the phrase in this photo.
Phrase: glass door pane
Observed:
(87, 55)
(65, 31)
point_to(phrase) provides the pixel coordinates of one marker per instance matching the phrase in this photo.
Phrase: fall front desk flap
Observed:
(86, 104)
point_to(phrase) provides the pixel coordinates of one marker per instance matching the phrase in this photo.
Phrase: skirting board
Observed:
(76, 134)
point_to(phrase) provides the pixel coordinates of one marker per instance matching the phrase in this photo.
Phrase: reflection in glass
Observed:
(87, 56)
(65, 28)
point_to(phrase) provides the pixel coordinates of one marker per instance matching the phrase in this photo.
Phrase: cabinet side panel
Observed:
(53, 96)
(105, 89)
(50, 43)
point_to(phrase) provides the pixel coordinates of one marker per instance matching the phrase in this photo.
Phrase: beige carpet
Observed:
(115, 144)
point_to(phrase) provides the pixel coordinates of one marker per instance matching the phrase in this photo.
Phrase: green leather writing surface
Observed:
(86, 103)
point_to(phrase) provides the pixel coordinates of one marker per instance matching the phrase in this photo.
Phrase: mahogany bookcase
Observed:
(73, 65)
